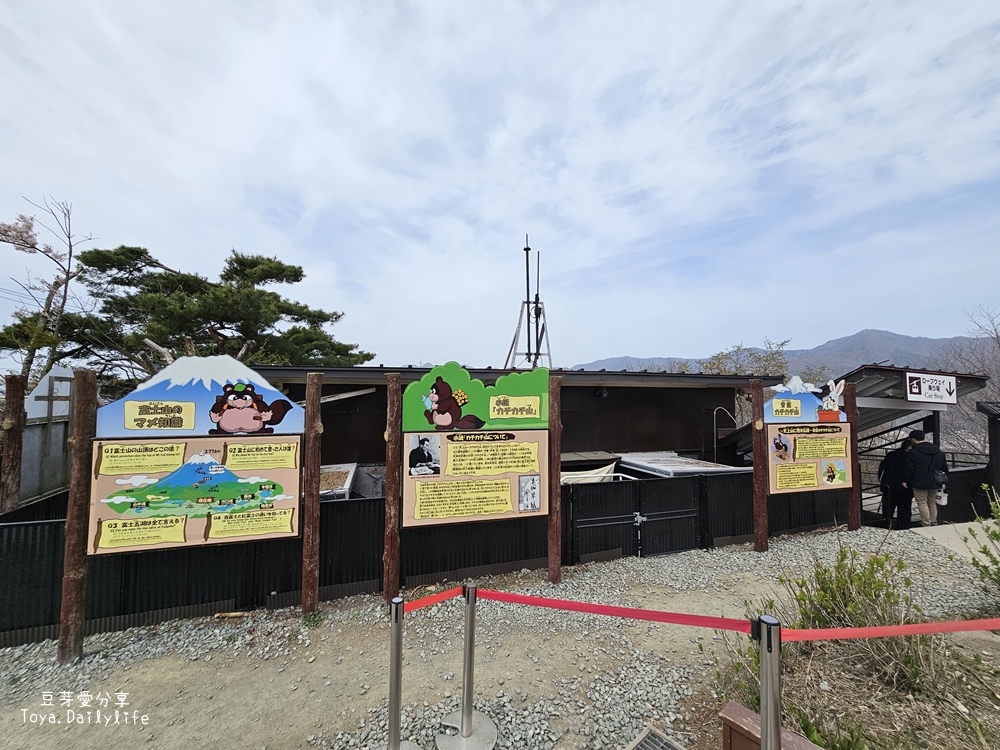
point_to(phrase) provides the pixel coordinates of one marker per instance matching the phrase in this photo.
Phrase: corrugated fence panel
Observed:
(428, 550)
(670, 507)
(597, 523)
(351, 541)
(603, 519)
(806, 510)
(728, 506)
(45, 466)
(31, 562)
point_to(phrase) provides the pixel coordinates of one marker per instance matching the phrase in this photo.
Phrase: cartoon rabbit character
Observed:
(831, 402)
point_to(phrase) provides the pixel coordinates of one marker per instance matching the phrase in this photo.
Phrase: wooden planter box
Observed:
(741, 731)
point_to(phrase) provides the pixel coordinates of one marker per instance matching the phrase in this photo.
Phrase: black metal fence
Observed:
(600, 521)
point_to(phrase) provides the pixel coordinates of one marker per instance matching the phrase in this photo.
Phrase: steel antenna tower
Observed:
(532, 315)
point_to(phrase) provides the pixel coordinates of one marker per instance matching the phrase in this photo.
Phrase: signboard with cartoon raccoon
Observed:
(204, 452)
(474, 452)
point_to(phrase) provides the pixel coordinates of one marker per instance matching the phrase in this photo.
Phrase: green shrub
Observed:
(984, 544)
(853, 593)
(313, 619)
(858, 593)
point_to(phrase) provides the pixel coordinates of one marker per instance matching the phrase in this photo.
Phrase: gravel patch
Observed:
(584, 706)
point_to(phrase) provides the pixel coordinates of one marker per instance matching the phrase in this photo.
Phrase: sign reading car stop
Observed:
(929, 388)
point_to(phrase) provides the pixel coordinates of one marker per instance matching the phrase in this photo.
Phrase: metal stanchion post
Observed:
(396, 677)
(476, 730)
(770, 683)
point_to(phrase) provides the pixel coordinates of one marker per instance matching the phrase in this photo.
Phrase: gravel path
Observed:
(549, 679)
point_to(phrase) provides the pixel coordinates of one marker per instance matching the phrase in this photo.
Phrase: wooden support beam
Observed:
(393, 485)
(14, 419)
(854, 499)
(760, 458)
(310, 493)
(74, 584)
(555, 473)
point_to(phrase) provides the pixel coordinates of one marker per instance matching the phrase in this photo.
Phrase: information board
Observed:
(808, 456)
(157, 494)
(475, 452)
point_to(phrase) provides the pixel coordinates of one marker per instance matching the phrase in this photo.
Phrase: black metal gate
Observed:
(640, 518)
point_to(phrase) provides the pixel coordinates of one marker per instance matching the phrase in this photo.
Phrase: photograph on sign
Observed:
(805, 457)
(481, 476)
(157, 494)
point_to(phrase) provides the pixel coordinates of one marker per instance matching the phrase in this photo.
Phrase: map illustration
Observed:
(199, 487)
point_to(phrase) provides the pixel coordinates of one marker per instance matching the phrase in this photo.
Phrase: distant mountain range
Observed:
(840, 356)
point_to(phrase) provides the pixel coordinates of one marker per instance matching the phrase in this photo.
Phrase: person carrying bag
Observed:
(926, 473)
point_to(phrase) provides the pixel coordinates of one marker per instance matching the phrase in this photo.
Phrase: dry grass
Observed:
(837, 695)
(867, 694)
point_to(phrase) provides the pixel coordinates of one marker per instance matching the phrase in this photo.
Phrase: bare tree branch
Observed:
(165, 353)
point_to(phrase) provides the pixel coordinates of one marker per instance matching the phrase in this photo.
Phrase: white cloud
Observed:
(662, 158)
(139, 480)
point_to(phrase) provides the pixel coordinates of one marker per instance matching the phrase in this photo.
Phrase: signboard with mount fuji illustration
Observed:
(201, 396)
(204, 452)
(155, 494)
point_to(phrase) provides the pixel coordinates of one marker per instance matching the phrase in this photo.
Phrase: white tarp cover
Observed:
(588, 477)
(669, 464)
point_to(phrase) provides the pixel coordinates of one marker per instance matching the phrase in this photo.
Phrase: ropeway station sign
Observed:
(931, 388)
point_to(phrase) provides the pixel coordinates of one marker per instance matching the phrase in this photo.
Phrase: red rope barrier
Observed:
(428, 601)
(674, 618)
(882, 631)
(715, 623)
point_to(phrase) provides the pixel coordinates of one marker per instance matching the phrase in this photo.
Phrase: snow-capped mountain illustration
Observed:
(198, 486)
(196, 471)
(189, 397)
(187, 372)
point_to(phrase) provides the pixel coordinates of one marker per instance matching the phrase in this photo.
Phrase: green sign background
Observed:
(529, 383)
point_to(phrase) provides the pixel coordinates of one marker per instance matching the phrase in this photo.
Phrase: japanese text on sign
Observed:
(159, 415)
(786, 407)
(118, 458)
(795, 476)
(486, 459)
(226, 525)
(239, 456)
(515, 407)
(465, 498)
(820, 448)
(114, 533)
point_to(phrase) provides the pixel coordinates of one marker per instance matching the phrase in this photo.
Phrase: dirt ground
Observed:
(330, 680)
(334, 674)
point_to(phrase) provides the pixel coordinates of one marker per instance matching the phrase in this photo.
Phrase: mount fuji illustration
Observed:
(198, 486)
(193, 396)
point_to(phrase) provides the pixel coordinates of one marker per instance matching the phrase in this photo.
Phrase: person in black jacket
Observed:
(897, 499)
(921, 463)
(422, 461)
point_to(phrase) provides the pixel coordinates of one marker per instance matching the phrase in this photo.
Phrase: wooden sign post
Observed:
(555, 479)
(760, 458)
(14, 419)
(393, 467)
(312, 459)
(854, 499)
(74, 583)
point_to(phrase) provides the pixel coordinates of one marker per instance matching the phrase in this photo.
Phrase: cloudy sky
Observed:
(694, 175)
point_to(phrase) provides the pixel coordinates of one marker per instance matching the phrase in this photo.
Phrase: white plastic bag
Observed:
(941, 498)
